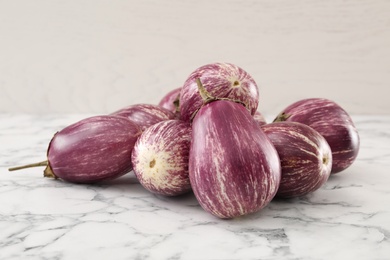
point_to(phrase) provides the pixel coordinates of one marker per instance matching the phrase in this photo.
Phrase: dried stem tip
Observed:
(44, 163)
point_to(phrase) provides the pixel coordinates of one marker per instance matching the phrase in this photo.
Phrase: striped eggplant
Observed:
(160, 158)
(234, 169)
(145, 115)
(94, 149)
(221, 80)
(171, 101)
(305, 157)
(332, 122)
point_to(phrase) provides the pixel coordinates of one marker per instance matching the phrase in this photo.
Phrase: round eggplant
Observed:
(94, 149)
(305, 157)
(160, 158)
(234, 169)
(145, 115)
(222, 81)
(332, 122)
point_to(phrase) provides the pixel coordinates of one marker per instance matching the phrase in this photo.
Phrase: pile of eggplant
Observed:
(208, 137)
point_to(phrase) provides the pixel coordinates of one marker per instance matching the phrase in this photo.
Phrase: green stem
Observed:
(206, 96)
(43, 163)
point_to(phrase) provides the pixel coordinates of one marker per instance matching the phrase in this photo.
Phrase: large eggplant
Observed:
(332, 122)
(234, 168)
(305, 157)
(94, 149)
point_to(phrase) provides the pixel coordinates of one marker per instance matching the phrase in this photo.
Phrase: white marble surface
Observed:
(49, 219)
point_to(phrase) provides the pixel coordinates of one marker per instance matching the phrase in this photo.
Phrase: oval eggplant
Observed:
(145, 115)
(234, 169)
(305, 157)
(160, 158)
(332, 122)
(260, 119)
(221, 80)
(171, 101)
(91, 150)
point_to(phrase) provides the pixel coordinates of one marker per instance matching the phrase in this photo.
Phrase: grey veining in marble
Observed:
(41, 218)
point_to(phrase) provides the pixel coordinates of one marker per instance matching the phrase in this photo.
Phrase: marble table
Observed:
(41, 218)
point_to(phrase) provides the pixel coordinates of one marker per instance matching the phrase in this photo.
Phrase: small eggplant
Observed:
(234, 168)
(332, 122)
(94, 149)
(305, 157)
(171, 101)
(222, 81)
(160, 158)
(145, 115)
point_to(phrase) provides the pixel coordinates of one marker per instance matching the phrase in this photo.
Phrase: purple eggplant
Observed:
(160, 158)
(332, 122)
(171, 101)
(222, 81)
(234, 169)
(94, 149)
(145, 115)
(260, 119)
(305, 157)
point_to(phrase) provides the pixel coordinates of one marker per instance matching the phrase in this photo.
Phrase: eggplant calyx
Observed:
(48, 172)
(282, 117)
(176, 103)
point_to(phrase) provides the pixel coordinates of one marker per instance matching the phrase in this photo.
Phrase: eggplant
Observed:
(91, 150)
(171, 101)
(305, 157)
(222, 81)
(260, 119)
(145, 115)
(234, 168)
(332, 122)
(160, 158)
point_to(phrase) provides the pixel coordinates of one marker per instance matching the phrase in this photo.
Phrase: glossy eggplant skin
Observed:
(234, 168)
(305, 157)
(332, 122)
(145, 115)
(160, 158)
(94, 149)
(221, 80)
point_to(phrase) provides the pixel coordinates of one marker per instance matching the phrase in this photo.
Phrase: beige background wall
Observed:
(98, 56)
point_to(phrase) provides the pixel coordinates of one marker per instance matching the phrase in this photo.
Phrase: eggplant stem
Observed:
(281, 117)
(206, 96)
(31, 165)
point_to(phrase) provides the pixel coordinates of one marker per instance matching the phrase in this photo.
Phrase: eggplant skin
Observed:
(234, 168)
(305, 157)
(160, 158)
(221, 80)
(145, 115)
(260, 119)
(332, 122)
(171, 100)
(94, 149)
